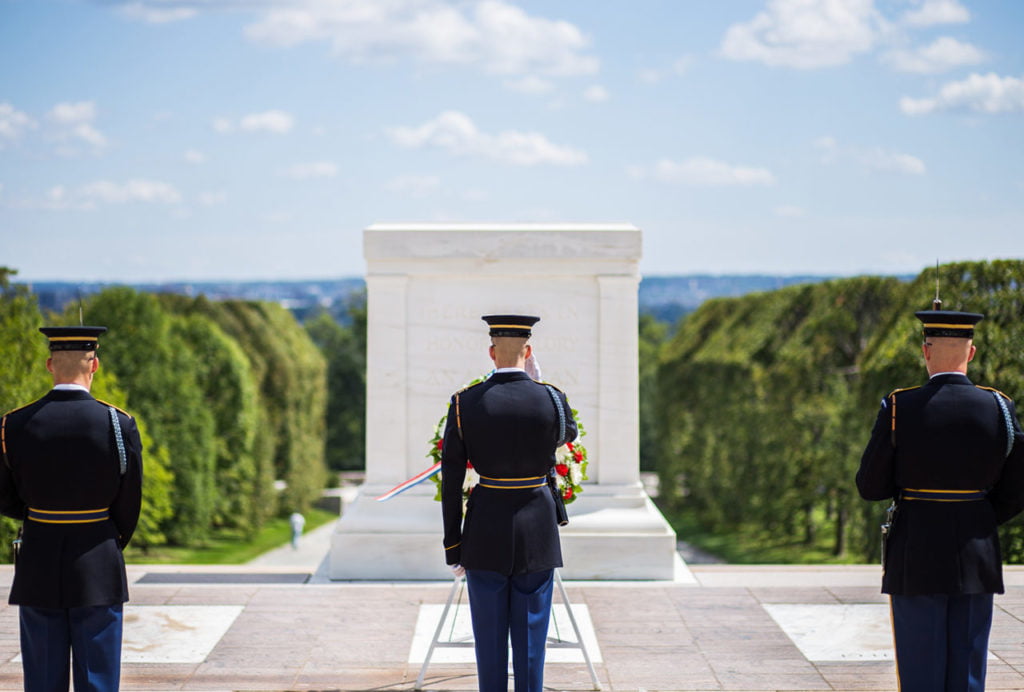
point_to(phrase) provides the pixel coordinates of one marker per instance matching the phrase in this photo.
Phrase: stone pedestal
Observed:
(427, 287)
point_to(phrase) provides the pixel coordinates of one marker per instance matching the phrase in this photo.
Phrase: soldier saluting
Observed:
(509, 426)
(72, 470)
(951, 455)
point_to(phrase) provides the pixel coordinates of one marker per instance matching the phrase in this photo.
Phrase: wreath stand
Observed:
(555, 642)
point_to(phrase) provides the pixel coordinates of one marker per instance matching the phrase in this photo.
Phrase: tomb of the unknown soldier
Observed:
(427, 287)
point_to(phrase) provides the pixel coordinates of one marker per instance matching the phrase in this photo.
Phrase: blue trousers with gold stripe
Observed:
(500, 606)
(942, 641)
(92, 635)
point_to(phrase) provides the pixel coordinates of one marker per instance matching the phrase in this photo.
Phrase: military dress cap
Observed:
(511, 325)
(949, 323)
(73, 338)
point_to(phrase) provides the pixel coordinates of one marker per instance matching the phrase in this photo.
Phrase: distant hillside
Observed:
(301, 297)
(670, 297)
(666, 297)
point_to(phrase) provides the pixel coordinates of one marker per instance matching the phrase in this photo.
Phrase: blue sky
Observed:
(152, 140)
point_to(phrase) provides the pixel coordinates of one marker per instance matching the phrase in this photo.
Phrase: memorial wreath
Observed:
(570, 460)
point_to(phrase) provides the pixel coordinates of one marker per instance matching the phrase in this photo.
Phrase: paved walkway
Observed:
(313, 548)
(259, 627)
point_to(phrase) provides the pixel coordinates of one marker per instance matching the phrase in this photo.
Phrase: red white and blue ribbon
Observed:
(415, 480)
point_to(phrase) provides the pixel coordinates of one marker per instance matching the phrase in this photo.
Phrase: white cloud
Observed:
(91, 196)
(531, 84)
(13, 123)
(649, 76)
(933, 12)
(153, 13)
(873, 158)
(456, 133)
(418, 186)
(893, 161)
(700, 170)
(314, 169)
(75, 121)
(682, 65)
(492, 34)
(979, 93)
(942, 55)
(223, 125)
(805, 34)
(73, 113)
(194, 156)
(596, 94)
(275, 121)
(150, 191)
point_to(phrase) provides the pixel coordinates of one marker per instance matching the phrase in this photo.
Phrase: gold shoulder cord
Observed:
(893, 435)
(892, 396)
(458, 416)
(458, 421)
(3, 440)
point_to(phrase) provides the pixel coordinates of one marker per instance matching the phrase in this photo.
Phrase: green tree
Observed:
(157, 479)
(23, 351)
(291, 376)
(157, 370)
(754, 395)
(344, 348)
(224, 374)
(652, 335)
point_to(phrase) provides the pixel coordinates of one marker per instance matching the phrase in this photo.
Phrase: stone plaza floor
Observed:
(267, 626)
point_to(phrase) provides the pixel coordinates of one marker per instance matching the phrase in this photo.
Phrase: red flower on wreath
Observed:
(570, 461)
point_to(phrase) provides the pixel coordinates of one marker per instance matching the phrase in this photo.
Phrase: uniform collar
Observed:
(947, 377)
(70, 388)
(509, 375)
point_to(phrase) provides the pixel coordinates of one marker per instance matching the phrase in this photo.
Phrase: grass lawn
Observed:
(229, 547)
(754, 545)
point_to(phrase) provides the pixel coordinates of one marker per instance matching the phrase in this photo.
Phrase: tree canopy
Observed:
(764, 402)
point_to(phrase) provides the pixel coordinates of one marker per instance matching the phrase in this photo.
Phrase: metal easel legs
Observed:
(555, 642)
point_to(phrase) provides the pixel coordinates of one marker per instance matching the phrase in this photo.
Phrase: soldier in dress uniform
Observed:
(508, 427)
(72, 470)
(951, 456)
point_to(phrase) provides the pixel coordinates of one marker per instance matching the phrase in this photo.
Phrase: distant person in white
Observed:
(298, 522)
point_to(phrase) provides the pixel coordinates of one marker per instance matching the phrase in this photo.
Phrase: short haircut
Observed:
(507, 349)
(70, 364)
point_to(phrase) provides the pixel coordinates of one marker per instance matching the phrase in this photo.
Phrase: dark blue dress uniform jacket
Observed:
(62, 456)
(509, 430)
(949, 435)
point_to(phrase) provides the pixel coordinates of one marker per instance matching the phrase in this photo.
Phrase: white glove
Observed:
(457, 570)
(533, 367)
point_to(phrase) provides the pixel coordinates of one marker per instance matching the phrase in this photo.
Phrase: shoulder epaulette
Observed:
(993, 389)
(892, 397)
(470, 386)
(117, 408)
(13, 410)
(548, 384)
